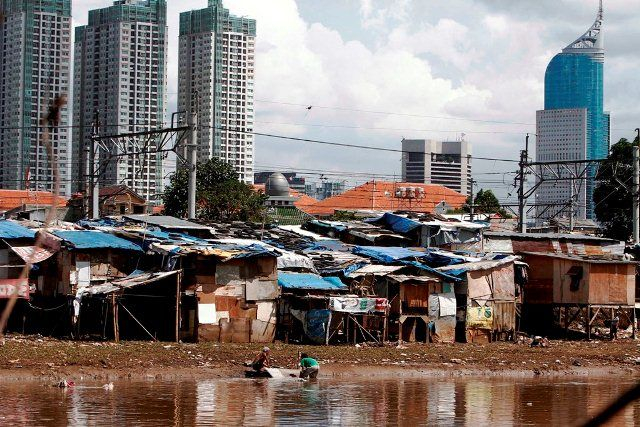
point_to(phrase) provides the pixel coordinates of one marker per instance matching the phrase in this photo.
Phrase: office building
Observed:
(216, 80)
(35, 55)
(121, 73)
(447, 163)
(573, 124)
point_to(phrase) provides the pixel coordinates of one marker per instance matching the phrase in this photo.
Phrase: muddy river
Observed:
(467, 401)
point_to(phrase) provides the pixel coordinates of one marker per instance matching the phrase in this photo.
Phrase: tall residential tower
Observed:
(216, 81)
(573, 124)
(121, 74)
(35, 56)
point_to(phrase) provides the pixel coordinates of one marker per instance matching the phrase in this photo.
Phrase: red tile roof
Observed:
(381, 196)
(11, 199)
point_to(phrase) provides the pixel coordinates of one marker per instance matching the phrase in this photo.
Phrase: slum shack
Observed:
(421, 298)
(485, 299)
(564, 289)
(171, 224)
(16, 243)
(434, 231)
(551, 243)
(320, 310)
(141, 306)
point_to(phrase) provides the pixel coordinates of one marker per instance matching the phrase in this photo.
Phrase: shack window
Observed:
(575, 273)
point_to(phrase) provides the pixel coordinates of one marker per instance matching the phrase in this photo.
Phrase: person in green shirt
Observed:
(308, 366)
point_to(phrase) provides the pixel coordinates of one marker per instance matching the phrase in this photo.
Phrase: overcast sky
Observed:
(442, 67)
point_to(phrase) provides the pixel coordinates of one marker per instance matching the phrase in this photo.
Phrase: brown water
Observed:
(477, 402)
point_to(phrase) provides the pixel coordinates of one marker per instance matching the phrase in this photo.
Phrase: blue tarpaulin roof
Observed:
(397, 223)
(452, 275)
(384, 254)
(11, 230)
(310, 281)
(96, 240)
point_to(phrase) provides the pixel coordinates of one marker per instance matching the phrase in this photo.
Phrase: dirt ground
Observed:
(35, 357)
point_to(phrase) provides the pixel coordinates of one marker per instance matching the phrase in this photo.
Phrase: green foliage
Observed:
(485, 202)
(219, 194)
(343, 216)
(613, 201)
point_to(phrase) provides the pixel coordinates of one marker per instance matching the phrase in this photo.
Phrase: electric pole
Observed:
(636, 190)
(522, 201)
(193, 160)
(471, 182)
(94, 166)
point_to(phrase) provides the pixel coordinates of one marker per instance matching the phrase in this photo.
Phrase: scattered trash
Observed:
(108, 387)
(577, 362)
(65, 384)
(529, 404)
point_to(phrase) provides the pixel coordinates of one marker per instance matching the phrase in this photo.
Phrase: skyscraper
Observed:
(121, 73)
(573, 124)
(446, 163)
(35, 57)
(216, 81)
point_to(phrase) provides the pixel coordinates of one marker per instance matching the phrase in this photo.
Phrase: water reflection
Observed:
(326, 402)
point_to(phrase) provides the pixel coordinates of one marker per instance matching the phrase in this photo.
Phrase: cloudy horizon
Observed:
(378, 71)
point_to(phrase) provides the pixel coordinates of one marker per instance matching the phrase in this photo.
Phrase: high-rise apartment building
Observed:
(573, 124)
(217, 60)
(447, 163)
(121, 73)
(35, 46)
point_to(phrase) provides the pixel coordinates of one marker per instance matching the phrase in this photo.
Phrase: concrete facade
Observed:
(120, 71)
(216, 80)
(35, 55)
(447, 163)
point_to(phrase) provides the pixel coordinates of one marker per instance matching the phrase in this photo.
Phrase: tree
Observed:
(612, 200)
(485, 202)
(219, 194)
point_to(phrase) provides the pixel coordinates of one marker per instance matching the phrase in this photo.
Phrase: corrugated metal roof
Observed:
(95, 240)
(11, 230)
(550, 236)
(478, 265)
(310, 282)
(167, 222)
(579, 258)
(127, 283)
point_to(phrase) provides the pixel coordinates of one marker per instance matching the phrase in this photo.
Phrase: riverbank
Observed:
(28, 358)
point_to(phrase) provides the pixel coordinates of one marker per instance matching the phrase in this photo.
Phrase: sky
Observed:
(377, 71)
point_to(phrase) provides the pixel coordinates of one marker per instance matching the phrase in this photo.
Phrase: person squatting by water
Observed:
(261, 361)
(308, 366)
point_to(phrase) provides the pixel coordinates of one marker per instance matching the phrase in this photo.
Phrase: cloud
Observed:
(476, 59)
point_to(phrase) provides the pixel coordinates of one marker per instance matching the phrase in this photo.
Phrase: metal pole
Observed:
(636, 191)
(95, 165)
(193, 160)
(472, 201)
(571, 213)
(522, 202)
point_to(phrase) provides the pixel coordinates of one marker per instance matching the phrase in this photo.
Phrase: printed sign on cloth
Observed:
(14, 287)
(480, 317)
(358, 305)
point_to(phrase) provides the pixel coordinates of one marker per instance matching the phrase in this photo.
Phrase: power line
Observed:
(393, 113)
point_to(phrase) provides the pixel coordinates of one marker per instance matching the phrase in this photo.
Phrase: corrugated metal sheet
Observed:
(95, 240)
(167, 222)
(311, 282)
(11, 230)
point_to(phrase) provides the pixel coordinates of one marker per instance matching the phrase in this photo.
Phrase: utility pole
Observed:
(571, 213)
(471, 182)
(522, 201)
(193, 161)
(94, 166)
(636, 191)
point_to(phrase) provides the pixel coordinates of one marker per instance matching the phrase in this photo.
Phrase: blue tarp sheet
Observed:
(328, 245)
(451, 275)
(310, 281)
(397, 223)
(317, 324)
(388, 255)
(11, 230)
(96, 240)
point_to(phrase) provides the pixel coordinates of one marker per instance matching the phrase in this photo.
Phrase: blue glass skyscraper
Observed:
(574, 80)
